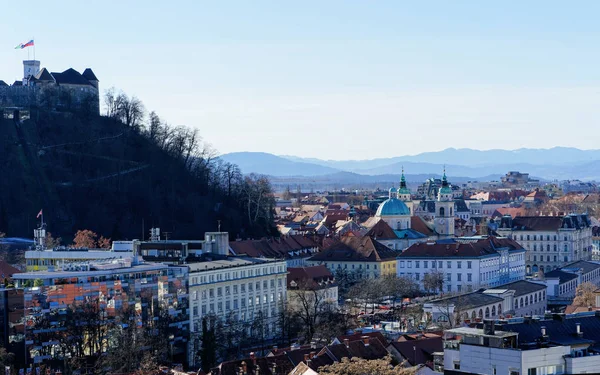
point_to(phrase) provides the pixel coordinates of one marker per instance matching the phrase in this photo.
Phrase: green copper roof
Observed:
(392, 207)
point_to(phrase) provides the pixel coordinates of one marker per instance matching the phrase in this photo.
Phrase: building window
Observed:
(417, 276)
(449, 264)
(459, 277)
(409, 264)
(417, 264)
(243, 288)
(258, 285)
(235, 304)
(469, 277)
(440, 264)
(227, 290)
(220, 306)
(401, 264)
(468, 264)
(211, 293)
(203, 309)
(449, 277)
(426, 264)
(458, 264)
(227, 305)
(235, 289)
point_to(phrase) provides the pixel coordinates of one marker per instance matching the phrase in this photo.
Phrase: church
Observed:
(404, 228)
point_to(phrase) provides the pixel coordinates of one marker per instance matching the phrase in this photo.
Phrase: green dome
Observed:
(392, 207)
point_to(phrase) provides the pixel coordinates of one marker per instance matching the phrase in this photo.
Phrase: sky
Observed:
(334, 79)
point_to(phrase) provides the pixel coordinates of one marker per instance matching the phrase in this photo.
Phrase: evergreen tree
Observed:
(208, 353)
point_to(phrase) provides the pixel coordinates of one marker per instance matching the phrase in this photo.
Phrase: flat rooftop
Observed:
(67, 274)
(230, 262)
(467, 331)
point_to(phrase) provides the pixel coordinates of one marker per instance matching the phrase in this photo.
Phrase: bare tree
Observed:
(433, 281)
(309, 301)
(585, 295)
(360, 366)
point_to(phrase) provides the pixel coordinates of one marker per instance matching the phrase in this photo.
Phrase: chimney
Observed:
(543, 330)
(312, 355)
(306, 357)
(274, 349)
(347, 342)
(365, 340)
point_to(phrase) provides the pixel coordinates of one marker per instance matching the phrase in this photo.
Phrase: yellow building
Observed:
(363, 256)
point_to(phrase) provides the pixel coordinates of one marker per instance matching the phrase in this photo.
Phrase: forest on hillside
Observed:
(121, 173)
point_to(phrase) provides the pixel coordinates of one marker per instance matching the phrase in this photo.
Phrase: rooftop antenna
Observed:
(219, 225)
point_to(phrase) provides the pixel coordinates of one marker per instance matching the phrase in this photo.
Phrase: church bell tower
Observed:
(444, 210)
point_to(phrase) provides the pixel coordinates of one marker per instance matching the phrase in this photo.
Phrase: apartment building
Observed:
(465, 264)
(550, 241)
(525, 346)
(238, 289)
(37, 313)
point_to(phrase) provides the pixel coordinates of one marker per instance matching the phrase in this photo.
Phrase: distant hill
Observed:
(469, 157)
(96, 173)
(269, 164)
(548, 164)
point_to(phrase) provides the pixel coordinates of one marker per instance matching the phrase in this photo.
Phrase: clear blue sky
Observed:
(335, 79)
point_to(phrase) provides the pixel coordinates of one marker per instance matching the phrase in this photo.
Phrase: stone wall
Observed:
(50, 97)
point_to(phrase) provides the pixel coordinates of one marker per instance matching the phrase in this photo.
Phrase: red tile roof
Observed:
(274, 247)
(356, 249)
(486, 246)
(311, 276)
(382, 231)
(6, 270)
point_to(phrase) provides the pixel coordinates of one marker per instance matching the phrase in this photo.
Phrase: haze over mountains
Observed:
(549, 164)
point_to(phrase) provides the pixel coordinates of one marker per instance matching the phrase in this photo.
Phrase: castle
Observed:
(40, 88)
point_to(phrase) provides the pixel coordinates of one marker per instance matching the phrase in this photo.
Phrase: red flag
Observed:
(39, 214)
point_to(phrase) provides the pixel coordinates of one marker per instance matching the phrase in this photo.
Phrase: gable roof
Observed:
(562, 276)
(89, 75)
(356, 249)
(283, 247)
(419, 351)
(452, 248)
(70, 77)
(469, 300)
(522, 287)
(584, 266)
(2, 83)
(310, 276)
(382, 230)
(44, 76)
(418, 223)
(6, 270)
(359, 335)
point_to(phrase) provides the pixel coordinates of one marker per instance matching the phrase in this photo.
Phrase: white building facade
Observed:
(241, 289)
(465, 264)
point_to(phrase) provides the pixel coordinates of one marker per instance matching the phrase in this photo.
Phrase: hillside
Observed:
(98, 174)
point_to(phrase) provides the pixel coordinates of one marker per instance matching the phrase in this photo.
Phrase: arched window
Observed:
(441, 211)
(493, 310)
(450, 211)
(487, 312)
(516, 303)
(531, 300)
(473, 315)
(466, 316)
(535, 299)
(499, 308)
(480, 313)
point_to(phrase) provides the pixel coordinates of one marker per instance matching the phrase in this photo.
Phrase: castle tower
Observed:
(404, 193)
(30, 68)
(444, 210)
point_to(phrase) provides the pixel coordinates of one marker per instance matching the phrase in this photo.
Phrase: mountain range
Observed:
(558, 163)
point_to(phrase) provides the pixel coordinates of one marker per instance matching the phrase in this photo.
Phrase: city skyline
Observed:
(269, 77)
